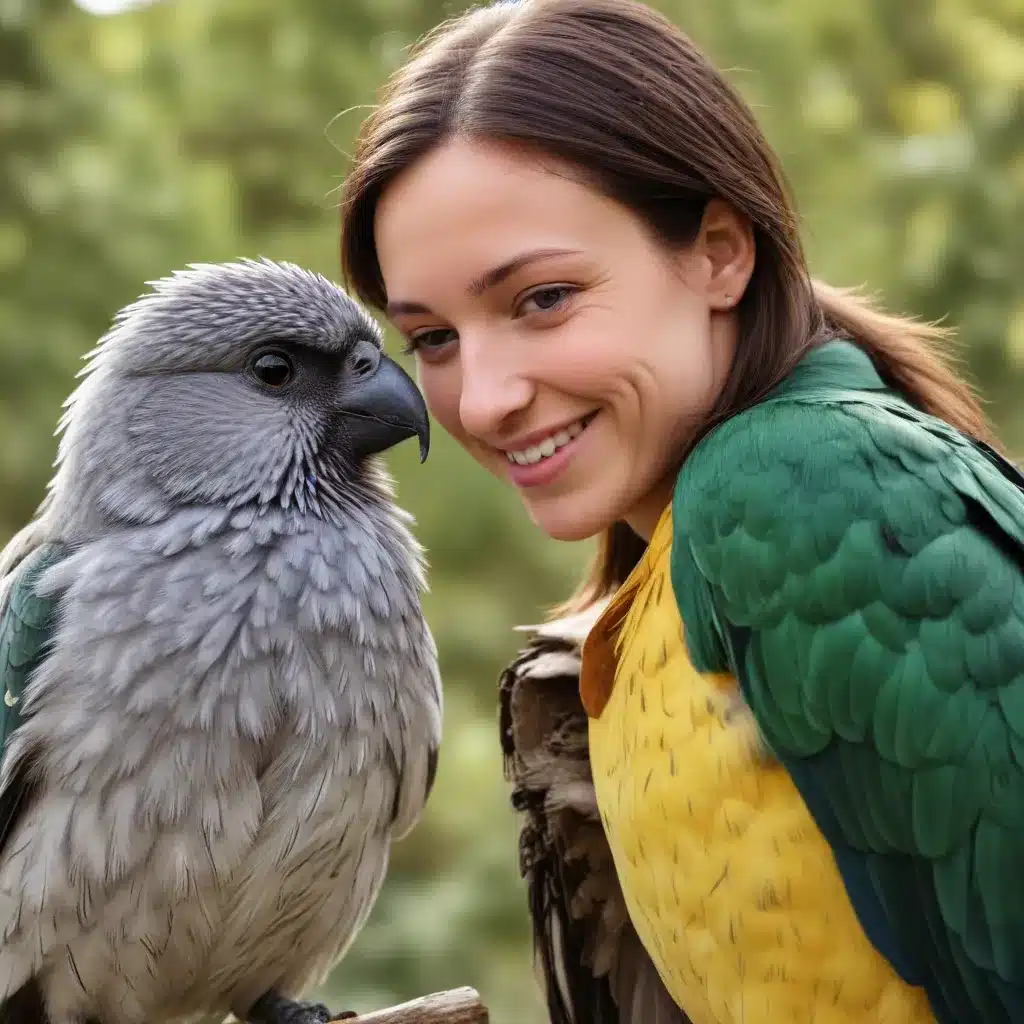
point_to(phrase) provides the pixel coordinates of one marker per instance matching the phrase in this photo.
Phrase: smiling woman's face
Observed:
(556, 340)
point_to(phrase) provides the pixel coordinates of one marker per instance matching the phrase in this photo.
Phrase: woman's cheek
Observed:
(441, 385)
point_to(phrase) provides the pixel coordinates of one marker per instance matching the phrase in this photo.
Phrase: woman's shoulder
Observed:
(815, 455)
(777, 451)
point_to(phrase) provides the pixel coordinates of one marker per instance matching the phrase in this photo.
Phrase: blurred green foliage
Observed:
(196, 130)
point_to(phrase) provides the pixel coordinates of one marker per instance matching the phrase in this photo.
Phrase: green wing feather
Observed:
(860, 567)
(26, 626)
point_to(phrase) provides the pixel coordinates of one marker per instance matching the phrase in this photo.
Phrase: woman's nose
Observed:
(494, 389)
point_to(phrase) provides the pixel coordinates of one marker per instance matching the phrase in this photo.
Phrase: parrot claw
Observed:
(271, 1008)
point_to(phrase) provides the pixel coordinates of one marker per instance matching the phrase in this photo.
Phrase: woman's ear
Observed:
(725, 250)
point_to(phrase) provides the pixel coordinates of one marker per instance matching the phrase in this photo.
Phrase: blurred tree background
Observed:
(191, 130)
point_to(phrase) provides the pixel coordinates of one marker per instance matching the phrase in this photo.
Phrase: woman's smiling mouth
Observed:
(539, 463)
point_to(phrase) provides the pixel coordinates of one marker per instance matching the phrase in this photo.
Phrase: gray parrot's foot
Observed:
(271, 1008)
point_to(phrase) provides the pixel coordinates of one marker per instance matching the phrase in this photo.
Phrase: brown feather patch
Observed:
(591, 963)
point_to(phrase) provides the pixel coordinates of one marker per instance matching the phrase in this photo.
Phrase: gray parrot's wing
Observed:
(26, 625)
(593, 967)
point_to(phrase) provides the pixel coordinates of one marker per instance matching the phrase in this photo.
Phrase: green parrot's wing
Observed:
(26, 623)
(860, 568)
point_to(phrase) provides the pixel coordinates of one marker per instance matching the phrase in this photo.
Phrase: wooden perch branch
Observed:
(457, 1006)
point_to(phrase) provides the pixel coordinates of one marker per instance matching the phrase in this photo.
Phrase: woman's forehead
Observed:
(468, 206)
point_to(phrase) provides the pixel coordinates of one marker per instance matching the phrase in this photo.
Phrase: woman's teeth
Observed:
(549, 445)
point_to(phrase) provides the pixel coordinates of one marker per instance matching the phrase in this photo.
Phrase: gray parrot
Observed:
(221, 699)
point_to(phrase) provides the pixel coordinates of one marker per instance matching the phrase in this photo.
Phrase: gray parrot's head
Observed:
(253, 382)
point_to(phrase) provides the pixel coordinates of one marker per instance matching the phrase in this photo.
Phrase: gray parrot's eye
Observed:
(274, 369)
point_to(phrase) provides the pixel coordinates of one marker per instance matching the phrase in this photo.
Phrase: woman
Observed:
(800, 690)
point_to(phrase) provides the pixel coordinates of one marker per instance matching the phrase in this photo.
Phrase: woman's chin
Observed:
(568, 518)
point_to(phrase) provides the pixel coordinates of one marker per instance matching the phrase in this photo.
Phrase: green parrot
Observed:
(858, 567)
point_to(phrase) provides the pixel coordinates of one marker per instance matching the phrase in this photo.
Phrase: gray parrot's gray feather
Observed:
(241, 708)
(164, 416)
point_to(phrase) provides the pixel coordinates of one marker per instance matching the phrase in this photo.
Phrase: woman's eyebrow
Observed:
(403, 306)
(481, 284)
(498, 274)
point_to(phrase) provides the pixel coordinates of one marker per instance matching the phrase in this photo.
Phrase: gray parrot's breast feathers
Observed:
(239, 712)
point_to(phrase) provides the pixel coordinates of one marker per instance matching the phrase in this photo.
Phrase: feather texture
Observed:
(26, 624)
(228, 730)
(859, 566)
(592, 966)
(728, 882)
(222, 701)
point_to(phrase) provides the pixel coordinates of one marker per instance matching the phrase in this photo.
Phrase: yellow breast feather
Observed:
(729, 883)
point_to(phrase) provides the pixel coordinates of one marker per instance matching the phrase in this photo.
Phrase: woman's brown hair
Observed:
(616, 90)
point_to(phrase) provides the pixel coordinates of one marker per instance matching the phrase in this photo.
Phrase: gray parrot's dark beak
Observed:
(384, 408)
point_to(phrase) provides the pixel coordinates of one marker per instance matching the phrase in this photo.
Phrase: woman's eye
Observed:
(546, 299)
(429, 340)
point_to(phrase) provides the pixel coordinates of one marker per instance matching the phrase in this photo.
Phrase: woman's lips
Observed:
(543, 472)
